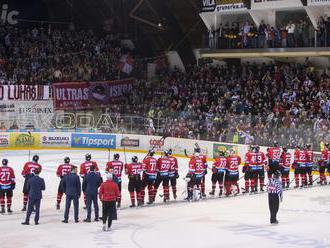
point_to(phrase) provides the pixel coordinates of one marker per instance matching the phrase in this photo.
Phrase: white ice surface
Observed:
(241, 221)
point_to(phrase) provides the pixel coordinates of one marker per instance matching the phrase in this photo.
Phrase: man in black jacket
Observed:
(72, 189)
(34, 186)
(92, 181)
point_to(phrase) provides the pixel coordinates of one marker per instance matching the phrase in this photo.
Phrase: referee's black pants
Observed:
(274, 203)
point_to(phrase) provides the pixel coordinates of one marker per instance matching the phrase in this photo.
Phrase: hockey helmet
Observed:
(285, 149)
(222, 154)
(66, 160)
(197, 150)
(5, 162)
(88, 157)
(35, 158)
(116, 156)
(135, 159)
(170, 151)
(275, 143)
(151, 152)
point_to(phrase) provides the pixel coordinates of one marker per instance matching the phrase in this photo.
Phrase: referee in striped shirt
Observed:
(275, 195)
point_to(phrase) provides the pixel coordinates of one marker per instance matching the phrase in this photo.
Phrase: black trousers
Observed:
(33, 203)
(109, 212)
(89, 200)
(75, 200)
(274, 203)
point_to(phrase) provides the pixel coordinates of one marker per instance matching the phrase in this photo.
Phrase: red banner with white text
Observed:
(88, 95)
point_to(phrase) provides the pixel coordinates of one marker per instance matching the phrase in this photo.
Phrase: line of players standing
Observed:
(152, 172)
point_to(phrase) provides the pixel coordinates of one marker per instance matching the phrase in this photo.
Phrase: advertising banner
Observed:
(93, 141)
(24, 140)
(128, 142)
(4, 140)
(86, 95)
(26, 113)
(222, 5)
(318, 2)
(223, 148)
(23, 92)
(275, 4)
(55, 139)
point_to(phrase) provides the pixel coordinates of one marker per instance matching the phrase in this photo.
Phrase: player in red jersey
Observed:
(260, 173)
(299, 165)
(324, 163)
(218, 172)
(309, 163)
(149, 176)
(285, 164)
(27, 173)
(250, 169)
(7, 185)
(163, 169)
(232, 173)
(273, 154)
(174, 172)
(116, 168)
(62, 171)
(204, 159)
(196, 173)
(134, 170)
(85, 169)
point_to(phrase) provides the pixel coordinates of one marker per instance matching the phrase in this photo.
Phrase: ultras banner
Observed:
(87, 95)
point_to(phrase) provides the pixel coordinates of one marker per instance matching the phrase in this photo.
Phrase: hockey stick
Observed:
(109, 154)
(30, 139)
(122, 136)
(162, 139)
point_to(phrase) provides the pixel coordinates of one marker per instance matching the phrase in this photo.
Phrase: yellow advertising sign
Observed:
(24, 140)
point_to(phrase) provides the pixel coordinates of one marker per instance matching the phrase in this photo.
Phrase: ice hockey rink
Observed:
(241, 221)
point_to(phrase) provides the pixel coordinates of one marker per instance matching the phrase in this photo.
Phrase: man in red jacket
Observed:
(109, 194)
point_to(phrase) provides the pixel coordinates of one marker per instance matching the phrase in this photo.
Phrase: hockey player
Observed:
(285, 165)
(7, 185)
(218, 172)
(27, 173)
(273, 154)
(134, 170)
(173, 173)
(116, 168)
(250, 169)
(299, 166)
(195, 173)
(62, 171)
(204, 159)
(261, 162)
(163, 168)
(149, 176)
(232, 173)
(324, 163)
(85, 168)
(309, 163)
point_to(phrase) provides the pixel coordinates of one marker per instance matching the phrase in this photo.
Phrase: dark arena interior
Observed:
(150, 123)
